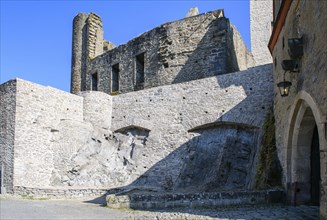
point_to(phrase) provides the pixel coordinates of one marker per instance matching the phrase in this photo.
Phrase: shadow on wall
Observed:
(221, 154)
(214, 54)
(218, 159)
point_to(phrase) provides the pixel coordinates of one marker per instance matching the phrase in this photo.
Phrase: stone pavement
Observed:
(17, 208)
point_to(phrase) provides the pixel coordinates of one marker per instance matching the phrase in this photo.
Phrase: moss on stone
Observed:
(29, 197)
(269, 172)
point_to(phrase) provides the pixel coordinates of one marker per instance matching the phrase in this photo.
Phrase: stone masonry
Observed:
(305, 107)
(7, 133)
(178, 109)
(261, 16)
(156, 139)
(192, 48)
(87, 43)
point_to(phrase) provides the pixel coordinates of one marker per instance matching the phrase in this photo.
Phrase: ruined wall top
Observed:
(95, 35)
(198, 46)
(192, 48)
(87, 44)
(192, 12)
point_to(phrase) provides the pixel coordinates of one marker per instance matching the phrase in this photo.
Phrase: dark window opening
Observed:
(139, 71)
(115, 78)
(94, 81)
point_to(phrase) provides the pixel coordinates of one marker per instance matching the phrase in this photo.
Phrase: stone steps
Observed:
(193, 200)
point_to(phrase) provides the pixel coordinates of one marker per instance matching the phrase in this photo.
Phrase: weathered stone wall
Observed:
(94, 35)
(169, 112)
(87, 44)
(261, 17)
(107, 45)
(157, 135)
(57, 192)
(307, 19)
(219, 158)
(7, 132)
(79, 53)
(40, 112)
(97, 109)
(188, 49)
(238, 55)
(193, 200)
(55, 130)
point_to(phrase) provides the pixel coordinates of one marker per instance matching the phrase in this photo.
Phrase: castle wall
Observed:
(199, 102)
(261, 17)
(307, 94)
(87, 44)
(79, 54)
(164, 138)
(39, 113)
(94, 35)
(238, 55)
(97, 107)
(7, 133)
(170, 112)
(193, 48)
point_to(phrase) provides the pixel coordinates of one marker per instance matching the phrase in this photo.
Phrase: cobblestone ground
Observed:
(246, 213)
(14, 208)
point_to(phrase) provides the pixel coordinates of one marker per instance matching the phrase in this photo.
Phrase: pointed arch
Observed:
(304, 117)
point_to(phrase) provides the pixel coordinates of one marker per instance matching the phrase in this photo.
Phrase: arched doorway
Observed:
(305, 158)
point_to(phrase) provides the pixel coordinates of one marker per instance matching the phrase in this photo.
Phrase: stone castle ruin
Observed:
(179, 108)
(176, 52)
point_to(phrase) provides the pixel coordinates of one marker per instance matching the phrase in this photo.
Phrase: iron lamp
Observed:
(284, 87)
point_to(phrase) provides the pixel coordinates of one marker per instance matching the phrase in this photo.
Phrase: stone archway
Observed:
(305, 159)
(305, 143)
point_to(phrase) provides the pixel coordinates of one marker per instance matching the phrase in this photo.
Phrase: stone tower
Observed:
(87, 44)
(261, 17)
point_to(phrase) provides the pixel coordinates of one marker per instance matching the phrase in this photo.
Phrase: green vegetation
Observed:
(269, 172)
(34, 198)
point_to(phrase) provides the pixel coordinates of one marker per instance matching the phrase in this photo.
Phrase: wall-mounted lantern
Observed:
(284, 87)
(295, 47)
(295, 51)
(290, 65)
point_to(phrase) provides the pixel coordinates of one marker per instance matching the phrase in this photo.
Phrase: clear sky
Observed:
(36, 36)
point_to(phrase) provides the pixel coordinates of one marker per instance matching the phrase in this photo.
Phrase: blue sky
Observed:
(36, 35)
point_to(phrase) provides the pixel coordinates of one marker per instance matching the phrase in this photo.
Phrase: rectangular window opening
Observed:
(94, 81)
(115, 79)
(139, 71)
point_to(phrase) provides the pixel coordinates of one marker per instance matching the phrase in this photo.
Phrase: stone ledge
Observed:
(58, 192)
(194, 200)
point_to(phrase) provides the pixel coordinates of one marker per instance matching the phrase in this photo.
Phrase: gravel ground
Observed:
(18, 208)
